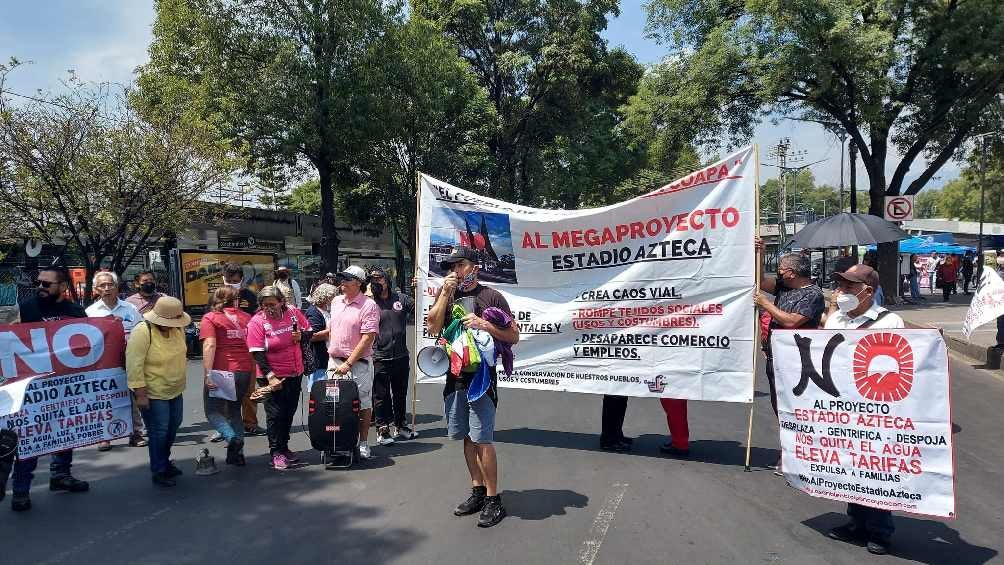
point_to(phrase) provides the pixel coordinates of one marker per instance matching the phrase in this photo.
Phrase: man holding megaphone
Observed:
(473, 421)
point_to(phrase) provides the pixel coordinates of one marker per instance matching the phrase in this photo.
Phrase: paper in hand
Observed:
(225, 386)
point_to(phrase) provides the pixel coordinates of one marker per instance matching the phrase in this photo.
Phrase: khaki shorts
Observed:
(362, 374)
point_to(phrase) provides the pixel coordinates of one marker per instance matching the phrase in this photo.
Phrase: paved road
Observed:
(568, 502)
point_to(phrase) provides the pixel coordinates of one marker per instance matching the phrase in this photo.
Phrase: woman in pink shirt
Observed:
(223, 332)
(276, 335)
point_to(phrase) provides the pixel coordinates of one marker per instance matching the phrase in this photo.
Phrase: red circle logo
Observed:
(883, 367)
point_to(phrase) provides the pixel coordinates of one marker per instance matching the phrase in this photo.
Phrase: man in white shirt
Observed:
(856, 306)
(106, 283)
(856, 309)
(932, 271)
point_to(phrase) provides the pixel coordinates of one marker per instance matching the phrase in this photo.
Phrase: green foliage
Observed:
(287, 85)
(916, 75)
(83, 168)
(555, 89)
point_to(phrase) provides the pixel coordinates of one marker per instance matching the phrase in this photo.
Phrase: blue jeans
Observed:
(475, 420)
(915, 287)
(225, 415)
(24, 470)
(162, 418)
(875, 522)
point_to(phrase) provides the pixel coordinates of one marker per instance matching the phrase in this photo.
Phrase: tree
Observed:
(804, 198)
(914, 75)
(549, 77)
(84, 168)
(288, 84)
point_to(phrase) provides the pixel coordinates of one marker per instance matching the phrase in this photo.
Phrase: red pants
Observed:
(676, 418)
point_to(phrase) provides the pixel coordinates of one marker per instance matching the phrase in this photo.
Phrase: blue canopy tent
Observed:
(926, 244)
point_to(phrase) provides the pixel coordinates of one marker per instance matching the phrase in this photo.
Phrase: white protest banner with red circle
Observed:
(865, 417)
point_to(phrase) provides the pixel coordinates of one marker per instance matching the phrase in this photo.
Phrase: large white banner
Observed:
(649, 297)
(64, 385)
(866, 418)
(987, 305)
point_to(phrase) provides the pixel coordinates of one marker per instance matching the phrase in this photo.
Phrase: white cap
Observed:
(355, 272)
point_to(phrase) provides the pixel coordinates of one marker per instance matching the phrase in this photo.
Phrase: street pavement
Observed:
(568, 502)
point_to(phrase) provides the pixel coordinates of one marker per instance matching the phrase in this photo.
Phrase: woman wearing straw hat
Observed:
(156, 366)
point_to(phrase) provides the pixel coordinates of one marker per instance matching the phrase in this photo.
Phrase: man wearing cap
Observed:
(856, 309)
(391, 360)
(48, 304)
(474, 422)
(355, 321)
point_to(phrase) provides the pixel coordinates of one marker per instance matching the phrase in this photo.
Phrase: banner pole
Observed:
(418, 320)
(756, 318)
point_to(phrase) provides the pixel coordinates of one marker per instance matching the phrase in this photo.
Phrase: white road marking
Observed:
(591, 547)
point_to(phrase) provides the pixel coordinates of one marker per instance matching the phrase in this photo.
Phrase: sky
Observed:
(105, 40)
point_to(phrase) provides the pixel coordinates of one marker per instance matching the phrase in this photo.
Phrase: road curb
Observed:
(990, 357)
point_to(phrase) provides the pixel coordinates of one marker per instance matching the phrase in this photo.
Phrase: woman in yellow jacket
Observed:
(156, 367)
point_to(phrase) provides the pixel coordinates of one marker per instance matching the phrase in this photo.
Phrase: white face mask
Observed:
(847, 302)
(235, 286)
(1000, 261)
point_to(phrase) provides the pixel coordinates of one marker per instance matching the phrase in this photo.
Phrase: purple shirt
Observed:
(349, 321)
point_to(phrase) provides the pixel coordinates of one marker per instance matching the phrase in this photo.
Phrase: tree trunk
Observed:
(329, 234)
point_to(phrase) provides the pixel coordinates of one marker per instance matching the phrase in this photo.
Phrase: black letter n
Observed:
(824, 382)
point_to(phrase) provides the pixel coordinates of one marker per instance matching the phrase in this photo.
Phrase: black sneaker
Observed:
(878, 546)
(234, 451)
(473, 504)
(849, 533)
(163, 480)
(20, 502)
(492, 513)
(172, 471)
(69, 484)
(669, 449)
(615, 446)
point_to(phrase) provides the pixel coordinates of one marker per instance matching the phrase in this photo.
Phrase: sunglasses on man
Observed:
(46, 284)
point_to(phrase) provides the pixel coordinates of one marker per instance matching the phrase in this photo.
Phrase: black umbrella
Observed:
(846, 229)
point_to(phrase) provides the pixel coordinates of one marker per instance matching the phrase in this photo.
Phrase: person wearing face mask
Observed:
(797, 302)
(223, 331)
(391, 360)
(276, 336)
(233, 276)
(473, 422)
(48, 304)
(352, 330)
(856, 309)
(146, 292)
(285, 282)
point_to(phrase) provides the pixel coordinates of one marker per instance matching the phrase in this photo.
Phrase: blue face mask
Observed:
(467, 283)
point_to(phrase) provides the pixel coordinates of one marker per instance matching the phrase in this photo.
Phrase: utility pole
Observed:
(982, 140)
(853, 150)
(842, 135)
(782, 152)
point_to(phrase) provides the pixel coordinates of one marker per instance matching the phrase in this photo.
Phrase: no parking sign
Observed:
(898, 208)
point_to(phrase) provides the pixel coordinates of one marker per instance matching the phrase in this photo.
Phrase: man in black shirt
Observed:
(391, 361)
(474, 422)
(797, 303)
(49, 304)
